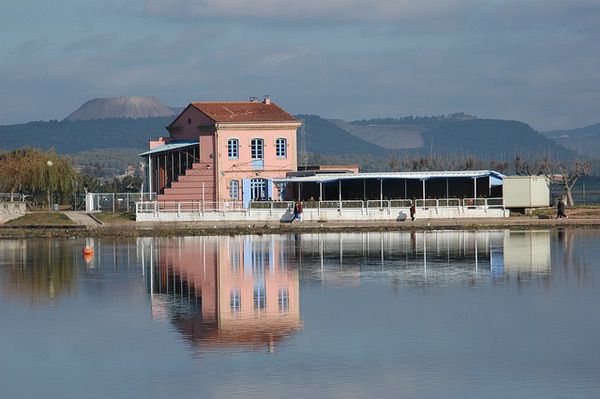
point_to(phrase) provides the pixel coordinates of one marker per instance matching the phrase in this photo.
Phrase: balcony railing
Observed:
(277, 207)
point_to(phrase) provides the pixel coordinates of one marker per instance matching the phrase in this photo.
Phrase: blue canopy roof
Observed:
(174, 145)
(495, 177)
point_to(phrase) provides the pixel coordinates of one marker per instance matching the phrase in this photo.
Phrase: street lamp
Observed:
(49, 164)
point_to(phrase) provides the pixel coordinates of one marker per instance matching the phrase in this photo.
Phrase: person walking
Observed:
(413, 211)
(560, 209)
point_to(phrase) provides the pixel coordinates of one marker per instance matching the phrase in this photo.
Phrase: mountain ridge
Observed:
(583, 140)
(133, 107)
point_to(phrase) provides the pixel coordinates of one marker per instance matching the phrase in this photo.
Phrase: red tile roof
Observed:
(244, 112)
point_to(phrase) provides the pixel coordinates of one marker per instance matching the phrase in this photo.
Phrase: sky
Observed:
(537, 61)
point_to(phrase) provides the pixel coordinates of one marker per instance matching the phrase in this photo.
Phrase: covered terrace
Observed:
(393, 185)
(165, 163)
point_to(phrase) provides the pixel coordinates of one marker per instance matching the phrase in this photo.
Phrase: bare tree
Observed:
(499, 166)
(393, 163)
(532, 167)
(569, 174)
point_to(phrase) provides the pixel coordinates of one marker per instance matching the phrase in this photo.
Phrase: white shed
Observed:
(526, 191)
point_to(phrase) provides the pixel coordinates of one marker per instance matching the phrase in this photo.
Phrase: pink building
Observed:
(223, 151)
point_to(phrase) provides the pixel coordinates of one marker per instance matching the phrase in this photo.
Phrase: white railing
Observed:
(271, 204)
(483, 203)
(365, 207)
(115, 202)
(178, 207)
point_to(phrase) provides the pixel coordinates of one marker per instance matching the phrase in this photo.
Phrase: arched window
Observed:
(234, 189)
(257, 148)
(281, 148)
(233, 146)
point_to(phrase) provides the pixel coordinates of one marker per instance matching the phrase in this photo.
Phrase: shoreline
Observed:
(141, 229)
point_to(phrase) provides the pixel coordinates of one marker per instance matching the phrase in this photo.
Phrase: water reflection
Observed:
(220, 284)
(226, 291)
(527, 252)
(42, 271)
(433, 256)
(244, 291)
(393, 314)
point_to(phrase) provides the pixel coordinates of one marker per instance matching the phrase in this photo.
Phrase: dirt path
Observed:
(81, 218)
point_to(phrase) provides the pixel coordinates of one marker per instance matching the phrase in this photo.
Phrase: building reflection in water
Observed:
(349, 257)
(244, 291)
(226, 291)
(527, 251)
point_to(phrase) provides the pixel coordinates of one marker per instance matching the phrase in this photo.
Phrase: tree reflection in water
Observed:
(40, 270)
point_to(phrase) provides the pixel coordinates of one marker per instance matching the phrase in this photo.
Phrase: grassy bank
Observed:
(41, 219)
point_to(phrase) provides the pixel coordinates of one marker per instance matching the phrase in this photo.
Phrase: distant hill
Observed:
(365, 142)
(391, 136)
(325, 137)
(68, 137)
(458, 134)
(121, 107)
(584, 140)
(591, 130)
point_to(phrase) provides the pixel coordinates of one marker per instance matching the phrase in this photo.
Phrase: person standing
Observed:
(295, 212)
(413, 211)
(300, 209)
(560, 209)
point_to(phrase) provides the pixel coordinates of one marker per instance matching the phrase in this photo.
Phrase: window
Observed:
(256, 148)
(233, 146)
(281, 148)
(283, 299)
(234, 189)
(235, 300)
(235, 260)
(260, 300)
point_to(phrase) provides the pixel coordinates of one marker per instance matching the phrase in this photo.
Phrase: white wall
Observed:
(11, 210)
(314, 215)
(526, 191)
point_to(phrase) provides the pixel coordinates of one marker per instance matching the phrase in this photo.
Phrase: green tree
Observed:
(35, 172)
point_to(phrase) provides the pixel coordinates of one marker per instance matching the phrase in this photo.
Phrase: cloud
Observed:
(534, 60)
(431, 16)
(90, 42)
(330, 10)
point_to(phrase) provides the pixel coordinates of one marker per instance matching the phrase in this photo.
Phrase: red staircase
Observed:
(188, 187)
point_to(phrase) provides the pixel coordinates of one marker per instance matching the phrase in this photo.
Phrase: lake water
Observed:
(440, 314)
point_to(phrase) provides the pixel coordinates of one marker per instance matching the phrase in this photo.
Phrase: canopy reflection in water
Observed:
(244, 291)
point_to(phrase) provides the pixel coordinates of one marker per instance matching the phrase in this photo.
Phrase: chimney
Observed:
(267, 100)
(253, 99)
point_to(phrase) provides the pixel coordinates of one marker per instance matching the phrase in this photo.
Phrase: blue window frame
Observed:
(281, 148)
(257, 148)
(234, 189)
(233, 148)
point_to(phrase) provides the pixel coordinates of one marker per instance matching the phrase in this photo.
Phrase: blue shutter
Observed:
(269, 188)
(246, 197)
